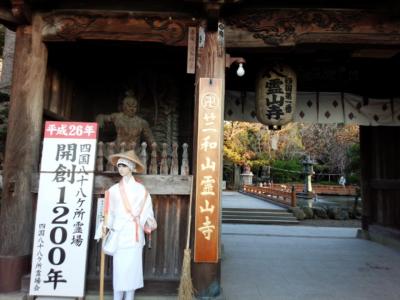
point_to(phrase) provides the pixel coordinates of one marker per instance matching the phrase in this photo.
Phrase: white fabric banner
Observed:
(330, 108)
(378, 111)
(306, 108)
(240, 106)
(352, 109)
(325, 108)
(370, 112)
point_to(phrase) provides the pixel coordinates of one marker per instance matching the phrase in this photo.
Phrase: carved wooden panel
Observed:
(124, 26)
(290, 27)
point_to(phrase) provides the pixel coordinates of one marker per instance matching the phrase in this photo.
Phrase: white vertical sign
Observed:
(63, 209)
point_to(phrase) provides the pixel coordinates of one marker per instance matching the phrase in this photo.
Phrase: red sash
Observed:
(128, 209)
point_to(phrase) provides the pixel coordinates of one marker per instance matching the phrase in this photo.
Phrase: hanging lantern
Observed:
(276, 95)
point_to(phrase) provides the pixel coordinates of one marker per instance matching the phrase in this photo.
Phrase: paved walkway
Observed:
(263, 262)
(297, 262)
(237, 200)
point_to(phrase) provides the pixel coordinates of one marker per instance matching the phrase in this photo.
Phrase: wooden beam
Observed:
(291, 27)
(249, 28)
(124, 26)
(23, 141)
(24, 132)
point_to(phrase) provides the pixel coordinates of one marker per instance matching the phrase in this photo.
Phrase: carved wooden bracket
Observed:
(212, 9)
(21, 11)
(67, 26)
(290, 27)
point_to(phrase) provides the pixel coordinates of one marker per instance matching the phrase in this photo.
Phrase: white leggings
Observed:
(129, 295)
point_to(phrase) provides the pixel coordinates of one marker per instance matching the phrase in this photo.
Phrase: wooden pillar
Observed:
(210, 64)
(21, 154)
(366, 160)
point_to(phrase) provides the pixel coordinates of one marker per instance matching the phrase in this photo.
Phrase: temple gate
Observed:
(77, 61)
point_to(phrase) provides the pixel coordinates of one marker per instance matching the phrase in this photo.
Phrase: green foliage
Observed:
(260, 159)
(233, 156)
(244, 144)
(286, 170)
(354, 165)
(321, 168)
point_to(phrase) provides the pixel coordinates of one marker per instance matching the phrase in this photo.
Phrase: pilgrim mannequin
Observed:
(130, 213)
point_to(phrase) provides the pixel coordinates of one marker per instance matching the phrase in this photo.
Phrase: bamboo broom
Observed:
(185, 291)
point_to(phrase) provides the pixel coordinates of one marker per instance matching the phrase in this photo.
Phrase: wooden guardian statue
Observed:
(129, 126)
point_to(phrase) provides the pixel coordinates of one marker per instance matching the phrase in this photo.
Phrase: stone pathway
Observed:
(238, 200)
(262, 262)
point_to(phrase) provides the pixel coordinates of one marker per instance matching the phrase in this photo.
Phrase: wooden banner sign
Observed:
(208, 171)
(63, 209)
(191, 51)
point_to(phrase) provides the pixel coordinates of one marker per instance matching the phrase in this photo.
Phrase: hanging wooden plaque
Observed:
(191, 51)
(208, 171)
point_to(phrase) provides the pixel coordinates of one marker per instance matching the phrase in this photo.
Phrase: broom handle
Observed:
(189, 212)
(102, 263)
(102, 258)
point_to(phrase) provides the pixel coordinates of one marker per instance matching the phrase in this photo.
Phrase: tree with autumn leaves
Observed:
(332, 146)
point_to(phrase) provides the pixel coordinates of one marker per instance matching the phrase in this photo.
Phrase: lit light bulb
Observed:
(240, 70)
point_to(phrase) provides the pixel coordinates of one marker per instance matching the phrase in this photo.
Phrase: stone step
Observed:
(269, 222)
(254, 209)
(239, 216)
(258, 216)
(256, 213)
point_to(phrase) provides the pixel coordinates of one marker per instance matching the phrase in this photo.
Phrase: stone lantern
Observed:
(307, 195)
(308, 164)
(247, 176)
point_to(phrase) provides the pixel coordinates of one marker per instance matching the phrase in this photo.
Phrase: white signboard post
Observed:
(63, 209)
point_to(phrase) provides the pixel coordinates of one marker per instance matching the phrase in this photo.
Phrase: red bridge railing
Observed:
(288, 198)
(320, 189)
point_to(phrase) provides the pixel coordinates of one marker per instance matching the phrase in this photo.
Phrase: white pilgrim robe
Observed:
(127, 261)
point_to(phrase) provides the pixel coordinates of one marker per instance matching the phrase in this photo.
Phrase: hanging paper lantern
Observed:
(276, 95)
